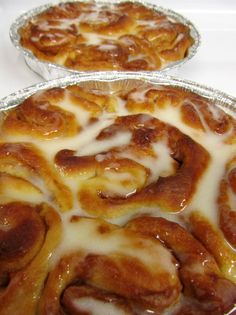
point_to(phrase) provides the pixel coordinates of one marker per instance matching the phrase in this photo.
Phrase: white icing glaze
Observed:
(148, 23)
(97, 307)
(160, 165)
(209, 184)
(78, 236)
(85, 143)
(97, 39)
(80, 113)
(62, 24)
(139, 95)
(107, 47)
(93, 17)
(178, 39)
(154, 24)
(97, 146)
(78, 142)
(27, 193)
(121, 184)
(136, 57)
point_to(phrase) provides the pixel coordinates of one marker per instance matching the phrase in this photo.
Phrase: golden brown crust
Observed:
(199, 272)
(25, 161)
(125, 277)
(227, 214)
(171, 193)
(195, 111)
(129, 36)
(22, 238)
(40, 119)
(21, 293)
(66, 153)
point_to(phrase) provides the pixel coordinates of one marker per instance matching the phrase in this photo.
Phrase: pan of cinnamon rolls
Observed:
(117, 196)
(84, 36)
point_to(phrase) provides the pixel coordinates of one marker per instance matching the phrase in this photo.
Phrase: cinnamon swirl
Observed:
(119, 202)
(97, 36)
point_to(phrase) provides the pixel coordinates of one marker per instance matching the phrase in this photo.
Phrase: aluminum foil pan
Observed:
(52, 71)
(112, 83)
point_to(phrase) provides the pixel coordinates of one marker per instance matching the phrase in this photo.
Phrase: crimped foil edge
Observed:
(50, 70)
(114, 79)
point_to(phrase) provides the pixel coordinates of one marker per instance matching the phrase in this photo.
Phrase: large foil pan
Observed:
(115, 82)
(52, 71)
(111, 82)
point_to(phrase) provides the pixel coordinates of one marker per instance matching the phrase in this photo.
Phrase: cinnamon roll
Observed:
(117, 202)
(97, 36)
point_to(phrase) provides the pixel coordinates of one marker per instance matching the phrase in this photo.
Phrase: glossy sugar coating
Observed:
(94, 36)
(119, 202)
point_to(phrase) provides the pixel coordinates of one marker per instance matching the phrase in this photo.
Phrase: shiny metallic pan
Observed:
(50, 69)
(137, 173)
(118, 81)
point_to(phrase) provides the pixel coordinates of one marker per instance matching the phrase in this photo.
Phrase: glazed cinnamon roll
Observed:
(206, 290)
(29, 234)
(117, 201)
(135, 272)
(170, 191)
(95, 36)
(27, 167)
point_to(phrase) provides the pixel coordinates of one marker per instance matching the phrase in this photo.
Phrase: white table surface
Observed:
(213, 65)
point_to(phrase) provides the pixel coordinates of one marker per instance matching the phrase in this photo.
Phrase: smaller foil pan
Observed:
(114, 82)
(50, 70)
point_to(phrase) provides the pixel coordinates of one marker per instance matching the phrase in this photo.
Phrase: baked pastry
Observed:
(96, 36)
(117, 203)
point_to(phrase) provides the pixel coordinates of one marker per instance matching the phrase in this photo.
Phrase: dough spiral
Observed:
(91, 36)
(118, 202)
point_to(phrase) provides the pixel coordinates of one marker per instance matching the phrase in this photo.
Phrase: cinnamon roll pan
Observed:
(206, 275)
(111, 82)
(102, 52)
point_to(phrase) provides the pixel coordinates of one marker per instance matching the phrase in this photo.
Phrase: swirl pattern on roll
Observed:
(92, 36)
(117, 201)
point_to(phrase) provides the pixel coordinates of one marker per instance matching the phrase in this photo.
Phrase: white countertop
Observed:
(213, 65)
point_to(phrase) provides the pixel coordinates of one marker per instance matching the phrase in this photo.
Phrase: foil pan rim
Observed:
(23, 18)
(225, 101)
